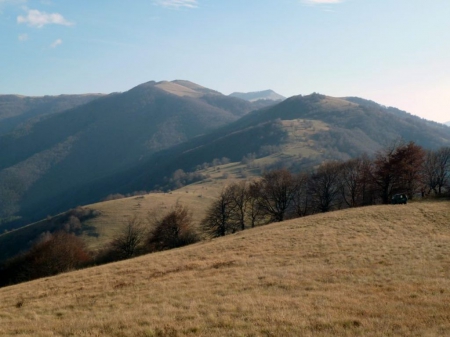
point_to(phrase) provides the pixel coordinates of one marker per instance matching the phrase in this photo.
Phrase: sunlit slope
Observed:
(374, 271)
(112, 215)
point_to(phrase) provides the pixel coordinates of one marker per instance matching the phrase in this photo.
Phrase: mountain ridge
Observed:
(258, 95)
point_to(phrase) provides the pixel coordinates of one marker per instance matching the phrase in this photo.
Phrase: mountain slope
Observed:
(58, 153)
(300, 132)
(15, 109)
(372, 271)
(258, 95)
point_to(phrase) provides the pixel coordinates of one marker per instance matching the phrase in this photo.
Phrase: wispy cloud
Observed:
(177, 3)
(56, 43)
(23, 37)
(35, 18)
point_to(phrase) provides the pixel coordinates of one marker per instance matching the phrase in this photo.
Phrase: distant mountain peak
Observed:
(447, 123)
(185, 88)
(258, 95)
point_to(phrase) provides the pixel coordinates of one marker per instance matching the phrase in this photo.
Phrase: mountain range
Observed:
(258, 95)
(136, 140)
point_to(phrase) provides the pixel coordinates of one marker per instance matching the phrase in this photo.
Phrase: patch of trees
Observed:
(279, 194)
(50, 255)
(72, 221)
(136, 237)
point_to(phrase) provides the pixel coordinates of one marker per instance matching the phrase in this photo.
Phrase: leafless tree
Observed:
(301, 202)
(437, 169)
(240, 196)
(173, 230)
(219, 216)
(398, 168)
(277, 189)
(130, 239)
(324, 187)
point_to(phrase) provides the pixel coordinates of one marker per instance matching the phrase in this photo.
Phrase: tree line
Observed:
(280, 194)
(276, 196)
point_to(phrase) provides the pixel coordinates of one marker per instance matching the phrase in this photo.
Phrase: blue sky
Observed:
(395, 52)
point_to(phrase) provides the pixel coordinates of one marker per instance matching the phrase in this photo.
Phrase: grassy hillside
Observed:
(98, 230)
(374, 271)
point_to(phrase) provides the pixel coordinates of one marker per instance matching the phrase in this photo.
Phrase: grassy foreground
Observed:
(375, 271)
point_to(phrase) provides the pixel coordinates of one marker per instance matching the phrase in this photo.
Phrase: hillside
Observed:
(448, 123)
(59, 153)
(58, 173)
(258, 95)
(299, 132)
(15, 109)
(370, 271)
(111, 215)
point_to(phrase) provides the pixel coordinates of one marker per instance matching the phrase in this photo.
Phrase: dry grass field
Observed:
(374, 271)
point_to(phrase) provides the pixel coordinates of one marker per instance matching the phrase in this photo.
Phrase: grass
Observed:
(374, 271)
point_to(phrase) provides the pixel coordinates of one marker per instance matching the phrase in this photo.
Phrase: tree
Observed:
(254, 211)
(437, 169)
(355, 182)
(277, 189)
(324, 186)
(240, 197)
(219, 216)
(50, 255)
(174, 230)
(129, 241)
(302, 203)
(397, 169)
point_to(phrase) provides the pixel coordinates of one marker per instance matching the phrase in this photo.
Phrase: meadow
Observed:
(372, 271)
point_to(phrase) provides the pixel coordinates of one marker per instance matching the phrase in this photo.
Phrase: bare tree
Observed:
(129, 241)
(255, 213)
(437, 169)
(239, 194)
(302, 203)
(277, 189)
(398, 168)
(219, 216)
(175, 229)
(324, 187)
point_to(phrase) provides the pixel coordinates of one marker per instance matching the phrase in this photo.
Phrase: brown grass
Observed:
(375, 271)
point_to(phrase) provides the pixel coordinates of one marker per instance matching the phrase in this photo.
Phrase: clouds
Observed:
(177, 3)
(38, 19)
(56, 43)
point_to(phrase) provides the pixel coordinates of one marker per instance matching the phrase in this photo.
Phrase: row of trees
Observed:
(280, 194)
(276, 196)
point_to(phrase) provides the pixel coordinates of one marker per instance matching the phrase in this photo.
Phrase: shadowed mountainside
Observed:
(15, 109)
(113, 142)
(58, 153)
(300, 132)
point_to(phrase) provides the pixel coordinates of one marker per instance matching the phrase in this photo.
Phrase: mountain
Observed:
(448, 123)
(57, 153)
(258, 95)
(300, 132)
(15, 109)
(135, 141)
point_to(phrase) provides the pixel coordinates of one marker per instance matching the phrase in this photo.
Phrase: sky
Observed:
(394, 52)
